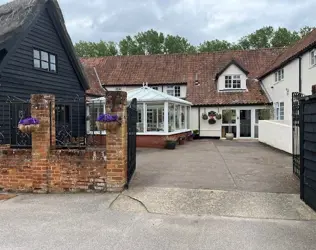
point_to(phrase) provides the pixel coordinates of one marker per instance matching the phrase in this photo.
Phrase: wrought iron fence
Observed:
(13, 110)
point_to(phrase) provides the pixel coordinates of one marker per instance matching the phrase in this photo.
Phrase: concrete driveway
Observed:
(217, 165)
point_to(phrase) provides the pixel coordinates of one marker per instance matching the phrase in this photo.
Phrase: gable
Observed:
(20, 78)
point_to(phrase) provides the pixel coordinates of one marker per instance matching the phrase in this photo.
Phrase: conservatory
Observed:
(159, 115)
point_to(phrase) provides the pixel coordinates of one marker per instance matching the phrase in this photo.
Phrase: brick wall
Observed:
(155, 141)
(15, 170)
(70, 170)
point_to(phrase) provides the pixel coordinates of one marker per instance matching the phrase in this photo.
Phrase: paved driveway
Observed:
(217, 164)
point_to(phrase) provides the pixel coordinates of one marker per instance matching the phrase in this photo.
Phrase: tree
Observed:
(128, 46)
(261, 38)
(305, 30)
(214, 45)
(283, 37)
(177, 44)
(92, 49)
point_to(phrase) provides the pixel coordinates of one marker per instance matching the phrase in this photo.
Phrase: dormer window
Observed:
(232, 82)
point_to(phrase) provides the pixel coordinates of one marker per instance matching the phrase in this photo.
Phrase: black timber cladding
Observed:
(20, 79)
(308, 150)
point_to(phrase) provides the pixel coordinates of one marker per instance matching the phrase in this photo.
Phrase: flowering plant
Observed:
(107, 118)
(29, 121)
(107, 122)
(28, 125)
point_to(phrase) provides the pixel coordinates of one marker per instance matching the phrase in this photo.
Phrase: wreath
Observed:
(204, 116)
(211, 121)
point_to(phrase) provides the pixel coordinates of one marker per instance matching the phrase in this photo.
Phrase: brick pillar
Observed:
(41, 140)
(116, 143)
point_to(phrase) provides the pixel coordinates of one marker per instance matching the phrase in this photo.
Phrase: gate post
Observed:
(41, 105)
(116, 143)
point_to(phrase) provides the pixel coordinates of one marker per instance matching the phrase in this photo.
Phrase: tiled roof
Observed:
(292, 52)
(184, 68)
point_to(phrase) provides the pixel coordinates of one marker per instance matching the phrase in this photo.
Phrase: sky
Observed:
(196, 20)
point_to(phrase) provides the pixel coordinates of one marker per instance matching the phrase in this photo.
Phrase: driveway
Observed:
(217, 165)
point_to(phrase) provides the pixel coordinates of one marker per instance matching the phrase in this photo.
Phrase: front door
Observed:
(245, 123)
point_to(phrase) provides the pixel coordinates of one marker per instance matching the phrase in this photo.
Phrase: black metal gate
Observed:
(308, 150)
(131, 139)
(296, 132)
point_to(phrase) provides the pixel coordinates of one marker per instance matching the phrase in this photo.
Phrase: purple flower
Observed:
(107, 118)
(29, 121)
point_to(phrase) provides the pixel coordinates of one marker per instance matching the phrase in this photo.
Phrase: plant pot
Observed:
(204, 117)
(229, 136)
(100, 125)
(218, 116)
(181, 141)
(171, 144)
(28, 128)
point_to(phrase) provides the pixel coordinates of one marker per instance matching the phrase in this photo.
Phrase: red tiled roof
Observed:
(183, 68)
(292, 52)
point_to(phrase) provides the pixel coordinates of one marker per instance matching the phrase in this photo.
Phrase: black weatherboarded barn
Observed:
(37, 56)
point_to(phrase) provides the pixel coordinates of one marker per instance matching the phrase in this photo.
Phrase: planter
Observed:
(190, 138)
(211, 121)
(171, 144)
(229, 136)
(108, 126)
(181, 141)
(204, 117)
(218, 116)
(28, 128)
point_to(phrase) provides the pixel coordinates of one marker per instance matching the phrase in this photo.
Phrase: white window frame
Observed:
(279, 75)
(174, 91)
(39, 61)
(313, 57)
(232, 81)
(279, 110)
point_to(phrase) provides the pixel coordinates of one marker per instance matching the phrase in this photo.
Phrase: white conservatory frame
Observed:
(169, 115)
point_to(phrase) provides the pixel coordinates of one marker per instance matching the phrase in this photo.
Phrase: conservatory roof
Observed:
(147, 94)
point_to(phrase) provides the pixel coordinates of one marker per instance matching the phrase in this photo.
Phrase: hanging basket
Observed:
(218, 116)
(204, 117)
(211, 121)
(28, 128)
(100, 125)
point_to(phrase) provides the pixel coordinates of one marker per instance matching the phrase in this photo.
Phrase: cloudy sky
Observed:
(197, 20)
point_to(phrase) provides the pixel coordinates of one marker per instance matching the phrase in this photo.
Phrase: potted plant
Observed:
(190, 136)
(181, 140)
(196, 134)
(170, 142)
(29, 125)
(108, 122)
(228, 116)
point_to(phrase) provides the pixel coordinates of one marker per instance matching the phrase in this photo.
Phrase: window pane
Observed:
(36, 54)
(170, 92)
(140, 118)
(171, 120)
(155, 88)
(53, 67)
(262, 114)
(281, 110)
(52, 58)
(155, 119)
(44, 65)
(279, 75)
(182, 117)
(177, 116)
(177, 91)
(44, 56)
(225, 130)
(37, 63)
(229, 116)
(276, 76)
(238, 84)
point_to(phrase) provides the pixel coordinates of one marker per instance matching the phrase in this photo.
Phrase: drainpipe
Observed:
(300, 74)
(199, 122)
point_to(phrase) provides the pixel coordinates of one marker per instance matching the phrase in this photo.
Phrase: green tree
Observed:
(283, 37)
(177, 44)
(305, 30)
(128, 46)
(214, 45)
(92, 49)
(261, 38)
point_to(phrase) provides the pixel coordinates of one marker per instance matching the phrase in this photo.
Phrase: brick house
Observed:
(212, 82)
